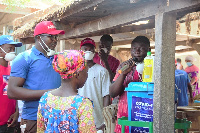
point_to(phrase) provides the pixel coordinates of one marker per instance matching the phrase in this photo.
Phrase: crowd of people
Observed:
(67, 91)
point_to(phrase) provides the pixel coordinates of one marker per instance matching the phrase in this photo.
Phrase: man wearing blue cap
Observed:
(9, 110)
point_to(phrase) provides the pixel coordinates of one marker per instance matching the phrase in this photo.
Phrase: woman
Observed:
(192, 72)
(62, 110)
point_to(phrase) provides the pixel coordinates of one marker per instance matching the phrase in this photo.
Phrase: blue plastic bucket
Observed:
(139, 93)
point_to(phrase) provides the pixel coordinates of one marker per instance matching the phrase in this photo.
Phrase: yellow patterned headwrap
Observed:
(69, 62)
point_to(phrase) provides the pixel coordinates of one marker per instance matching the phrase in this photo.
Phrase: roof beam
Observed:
(16, 10)
(122, 18)
(122, 29)
(185, 50)
(28, 40)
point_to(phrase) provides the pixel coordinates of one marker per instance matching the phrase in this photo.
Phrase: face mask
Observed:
(9, 56)
(50, 52)
(189, 64)
(105, 50)
(89, 55)
(140, 68)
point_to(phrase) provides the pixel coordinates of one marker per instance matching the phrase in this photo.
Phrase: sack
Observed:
(110, 116)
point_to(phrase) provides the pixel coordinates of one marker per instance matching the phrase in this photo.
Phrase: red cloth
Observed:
(112, 61)
(7, 106)
(132, 76)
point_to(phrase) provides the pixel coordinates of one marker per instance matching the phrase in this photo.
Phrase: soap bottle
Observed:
(147, 75)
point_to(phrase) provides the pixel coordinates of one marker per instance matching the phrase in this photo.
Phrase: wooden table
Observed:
(192, 113)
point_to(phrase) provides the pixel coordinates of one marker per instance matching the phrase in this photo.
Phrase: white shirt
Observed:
(20, 106)
(95, 88)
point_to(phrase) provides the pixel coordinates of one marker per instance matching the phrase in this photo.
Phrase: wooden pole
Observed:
(164, 68)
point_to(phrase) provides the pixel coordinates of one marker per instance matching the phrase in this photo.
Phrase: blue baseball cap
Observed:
(7, 39)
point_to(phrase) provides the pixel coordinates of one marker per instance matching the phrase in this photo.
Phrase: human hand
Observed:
(103, 55)
(101, 127)
(191, 100)
(129, 63)
(13, 119)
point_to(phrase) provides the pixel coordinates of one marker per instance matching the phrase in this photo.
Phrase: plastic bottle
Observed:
(147, 75)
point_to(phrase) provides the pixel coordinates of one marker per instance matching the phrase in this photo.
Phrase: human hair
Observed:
(178, 60)
(106, 37)
(141, 39)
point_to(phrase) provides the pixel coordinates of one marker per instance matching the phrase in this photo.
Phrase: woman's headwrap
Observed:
(69, 62)
(190, 58)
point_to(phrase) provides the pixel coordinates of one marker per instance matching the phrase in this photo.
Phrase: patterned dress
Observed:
(71, 114)
(132, 76)
(192, 72)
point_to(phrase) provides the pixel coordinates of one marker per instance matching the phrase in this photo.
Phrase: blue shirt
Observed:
(181, 81)
(38, 72)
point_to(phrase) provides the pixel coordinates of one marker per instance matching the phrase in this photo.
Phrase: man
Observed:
(97, 84)
(139, 48)
(104, 58)
(179, 65)
(182, 83)
(9, 109)
(32, 73)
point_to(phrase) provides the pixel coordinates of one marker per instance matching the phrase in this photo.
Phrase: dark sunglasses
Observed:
(52, 37)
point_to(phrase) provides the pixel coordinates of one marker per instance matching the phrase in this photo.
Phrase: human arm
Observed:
(16, 90)
(19, 73)
(111, 74)
(194, 75)
(14, 117)
(117, 87)
(190, 91)
(105, 83)
(104, 57)
(193, 80)
(106, 100)
(85, 117)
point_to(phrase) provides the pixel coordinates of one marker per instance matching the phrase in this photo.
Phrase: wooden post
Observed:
(62, 45)
(165, 38)
(4, 30)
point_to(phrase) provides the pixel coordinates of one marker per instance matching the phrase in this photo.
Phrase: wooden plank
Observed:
(28, 40)
(122, 18)
(122, 29)
(185, 50)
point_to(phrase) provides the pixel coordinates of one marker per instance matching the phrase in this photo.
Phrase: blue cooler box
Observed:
(140, 104)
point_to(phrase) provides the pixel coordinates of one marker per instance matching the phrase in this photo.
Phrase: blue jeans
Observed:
(5, 129)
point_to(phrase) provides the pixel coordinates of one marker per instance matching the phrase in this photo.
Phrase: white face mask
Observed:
(89, 55)
(50, 52)
(9, 56)
(140, 68)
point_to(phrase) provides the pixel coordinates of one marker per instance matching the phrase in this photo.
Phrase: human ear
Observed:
(77, 75)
